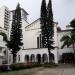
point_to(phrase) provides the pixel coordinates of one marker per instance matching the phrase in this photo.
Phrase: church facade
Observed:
(32, 50)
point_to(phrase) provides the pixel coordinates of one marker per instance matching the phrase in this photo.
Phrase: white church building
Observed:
(32, 50)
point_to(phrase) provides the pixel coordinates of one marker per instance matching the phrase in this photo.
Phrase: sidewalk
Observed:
(63, 69)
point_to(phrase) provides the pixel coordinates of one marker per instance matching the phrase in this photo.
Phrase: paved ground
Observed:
(65, 69)
(56, 72)
(49, 72)
(61, 70)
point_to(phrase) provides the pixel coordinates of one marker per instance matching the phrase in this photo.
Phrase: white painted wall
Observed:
(4, 17)
(35, 51)
(30, 35)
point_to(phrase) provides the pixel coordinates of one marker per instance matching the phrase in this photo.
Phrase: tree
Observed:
(66, 41)
(43, 21)
(72, 24)
(69, 39)
(47, 27)
(50, 29)
(16, 32)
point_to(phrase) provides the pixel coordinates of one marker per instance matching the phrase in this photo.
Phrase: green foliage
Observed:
(4, 67)
(47, 26)
(20, 66)
(5, 39)
(17, 66)
(72, 23)
(50, 26)
(66, 41)
(16, 32)
(4, 36)
(69, 39)
(43, 21)
(50, 65)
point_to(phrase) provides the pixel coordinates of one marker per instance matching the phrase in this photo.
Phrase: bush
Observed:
(20, 66)
(36, 65)
(50, 65)
(17, 66)
(4, 67)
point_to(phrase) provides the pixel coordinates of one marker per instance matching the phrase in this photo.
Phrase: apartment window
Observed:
(39, 41)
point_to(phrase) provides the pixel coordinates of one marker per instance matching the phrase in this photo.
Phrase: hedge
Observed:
(20, 66)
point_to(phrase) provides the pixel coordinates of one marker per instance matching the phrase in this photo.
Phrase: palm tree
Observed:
(69, 39)
(66, 41)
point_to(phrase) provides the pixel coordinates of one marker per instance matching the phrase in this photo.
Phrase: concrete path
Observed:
(69, 71)
(56, 72)
(49, 72)
(61, 70)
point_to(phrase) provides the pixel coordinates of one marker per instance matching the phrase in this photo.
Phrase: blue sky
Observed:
(63, 10)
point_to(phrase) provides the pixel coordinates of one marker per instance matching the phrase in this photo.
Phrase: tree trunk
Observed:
(50, 60)
(14, 59)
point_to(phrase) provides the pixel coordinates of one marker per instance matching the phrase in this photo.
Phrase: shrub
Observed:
(50, 65)
(36, 65)
(4, 67)
(19, 66)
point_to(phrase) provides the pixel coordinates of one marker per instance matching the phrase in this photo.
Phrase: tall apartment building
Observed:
(4, 18)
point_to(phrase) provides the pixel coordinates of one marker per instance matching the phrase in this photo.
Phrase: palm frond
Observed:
(4, 36)
(66, 41)
(64, 38)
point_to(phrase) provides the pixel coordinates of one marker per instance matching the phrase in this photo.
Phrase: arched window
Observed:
(32, 58)
(26, 58)
(38, 57)
(39, 41)
(45, 58)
